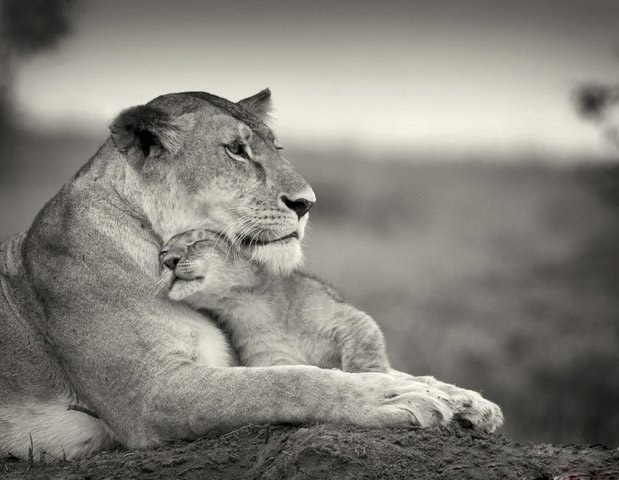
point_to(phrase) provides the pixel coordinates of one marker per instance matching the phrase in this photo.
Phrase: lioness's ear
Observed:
(258, 104)
(146, 130)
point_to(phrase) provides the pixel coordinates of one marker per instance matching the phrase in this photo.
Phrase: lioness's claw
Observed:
(482, 414)
(426, 409)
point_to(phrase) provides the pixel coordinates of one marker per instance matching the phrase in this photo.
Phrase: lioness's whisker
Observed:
(237, 231)
(230, 233)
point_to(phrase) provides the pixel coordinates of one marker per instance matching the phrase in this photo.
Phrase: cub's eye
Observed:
(277, 145)
(237, 150)
(162, 253)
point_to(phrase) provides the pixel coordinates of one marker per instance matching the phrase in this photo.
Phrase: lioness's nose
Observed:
(171, 261)
(300, 206)
(301, 203)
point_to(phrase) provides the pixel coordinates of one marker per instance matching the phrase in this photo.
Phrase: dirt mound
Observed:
(338, 452)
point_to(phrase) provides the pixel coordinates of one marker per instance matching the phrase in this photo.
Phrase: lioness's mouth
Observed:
(257, 242)
(183, 281)
(188, 279)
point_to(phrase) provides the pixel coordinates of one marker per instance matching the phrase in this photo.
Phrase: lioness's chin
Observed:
(279, 258)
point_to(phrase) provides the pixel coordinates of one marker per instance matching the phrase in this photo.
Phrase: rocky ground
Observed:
(338, 452)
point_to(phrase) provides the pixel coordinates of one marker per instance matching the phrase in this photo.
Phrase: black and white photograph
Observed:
(284, 239)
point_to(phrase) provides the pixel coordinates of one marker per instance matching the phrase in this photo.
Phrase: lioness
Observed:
(90, 356)
(271, 319)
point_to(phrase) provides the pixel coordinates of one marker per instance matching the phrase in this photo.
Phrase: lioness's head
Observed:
(195, 160)
(202, 262)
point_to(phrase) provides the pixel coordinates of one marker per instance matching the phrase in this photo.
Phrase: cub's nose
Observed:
(171, 260)
(300, 206)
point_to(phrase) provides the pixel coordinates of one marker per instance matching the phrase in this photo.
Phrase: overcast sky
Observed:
(455, 74)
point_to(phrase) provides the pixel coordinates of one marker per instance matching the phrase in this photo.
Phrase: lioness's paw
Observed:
(401, 403)
(469, 407)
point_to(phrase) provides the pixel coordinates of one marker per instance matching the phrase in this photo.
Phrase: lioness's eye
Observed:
(162, 253)
(238, 150)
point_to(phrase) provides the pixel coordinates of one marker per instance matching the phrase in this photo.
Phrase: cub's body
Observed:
(271, 319)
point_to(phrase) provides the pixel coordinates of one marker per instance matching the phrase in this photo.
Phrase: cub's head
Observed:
(194, 160)
(200, 264)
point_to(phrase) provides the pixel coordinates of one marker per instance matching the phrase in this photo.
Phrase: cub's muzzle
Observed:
(170, 260)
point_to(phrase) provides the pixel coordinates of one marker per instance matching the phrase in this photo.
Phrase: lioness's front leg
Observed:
(156, 388)
(467, 405)
(195, 400)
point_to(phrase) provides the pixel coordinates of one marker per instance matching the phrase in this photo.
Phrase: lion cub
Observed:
(271, 320)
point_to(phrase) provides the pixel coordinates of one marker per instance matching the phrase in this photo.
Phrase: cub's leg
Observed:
(361, 342)
(468, 406)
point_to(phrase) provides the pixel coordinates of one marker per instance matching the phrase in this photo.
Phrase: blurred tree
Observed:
(27, 27)
(36, 25)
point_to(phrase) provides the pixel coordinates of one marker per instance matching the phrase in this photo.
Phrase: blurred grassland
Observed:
(501, 278)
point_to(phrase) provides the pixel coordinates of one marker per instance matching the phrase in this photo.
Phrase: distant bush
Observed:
(599, 103)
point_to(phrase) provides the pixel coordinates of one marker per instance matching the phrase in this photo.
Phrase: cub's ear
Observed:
(145, 131)
(258, 104)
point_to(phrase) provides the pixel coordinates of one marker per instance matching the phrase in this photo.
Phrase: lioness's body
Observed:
(292, 319)
(81, 326)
